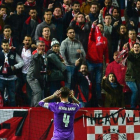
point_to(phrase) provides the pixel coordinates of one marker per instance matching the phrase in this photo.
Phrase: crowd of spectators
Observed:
(89, 46)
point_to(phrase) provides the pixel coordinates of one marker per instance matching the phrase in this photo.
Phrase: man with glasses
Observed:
(71, 49)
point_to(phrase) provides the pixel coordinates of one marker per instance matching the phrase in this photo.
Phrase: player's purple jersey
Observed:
(63, 119)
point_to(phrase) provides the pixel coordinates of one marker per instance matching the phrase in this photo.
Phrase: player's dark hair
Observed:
(5, 41)
(64, 92)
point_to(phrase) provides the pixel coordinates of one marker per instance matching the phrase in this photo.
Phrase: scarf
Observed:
(81, 26)
(30, 4)
(66, 7)
(114, 85)
(105, 11)
(122, 56)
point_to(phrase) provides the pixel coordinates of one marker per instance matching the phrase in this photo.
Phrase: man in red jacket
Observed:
(97, 48)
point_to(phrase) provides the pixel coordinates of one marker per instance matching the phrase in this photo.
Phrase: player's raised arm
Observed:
(71, 95)
(47, 99)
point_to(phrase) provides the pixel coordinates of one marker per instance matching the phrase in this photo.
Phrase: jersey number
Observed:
(66, 119)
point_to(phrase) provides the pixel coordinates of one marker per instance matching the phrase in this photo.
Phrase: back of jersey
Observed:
(64, 114)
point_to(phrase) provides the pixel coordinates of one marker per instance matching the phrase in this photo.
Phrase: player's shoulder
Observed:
(75, 104)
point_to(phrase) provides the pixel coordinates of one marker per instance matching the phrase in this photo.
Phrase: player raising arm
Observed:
(64, 113)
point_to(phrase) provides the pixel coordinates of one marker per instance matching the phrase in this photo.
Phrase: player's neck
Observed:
(64, 100)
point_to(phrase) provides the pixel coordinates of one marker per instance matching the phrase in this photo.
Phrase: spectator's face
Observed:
(33, 14)
(122, 30)
(115, 13)
(108, 20)
(41, 46)
(5, 47)
(71, 34)
(30, 1)
(80, 18)
(46, 32)
(136, 48)
(132, 35)
(9, 1)
(138, 5)
(111, 78)
(27, 41)
(55, 48)
(93, 9)
(57, 12)
(84, 69)
(66, 1)
(107, 3)
(115, 56)
(3, 11)
(7, 32)
(48, 16)
(76, 8)
(101, 28)
(20, 9)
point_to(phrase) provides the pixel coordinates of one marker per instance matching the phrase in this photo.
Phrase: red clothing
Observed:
(47, 43)
(34, 52)
(119, 71)
(95, 53)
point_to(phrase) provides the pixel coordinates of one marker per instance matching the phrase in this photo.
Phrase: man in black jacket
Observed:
(81, 84)
(36, 72)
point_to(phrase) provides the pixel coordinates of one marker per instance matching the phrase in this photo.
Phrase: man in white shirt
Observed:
(25, 52)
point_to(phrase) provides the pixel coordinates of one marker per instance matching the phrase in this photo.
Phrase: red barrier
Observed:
(36, 123)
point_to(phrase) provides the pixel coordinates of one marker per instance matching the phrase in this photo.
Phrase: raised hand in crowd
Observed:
(95, 22)
(50, 6)
(75, 16)
(77, 62)
(116, 23)
(87, 18)
(102, 10)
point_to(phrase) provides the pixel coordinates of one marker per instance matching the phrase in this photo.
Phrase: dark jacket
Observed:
(14, 42)
(93, 17)
(80, 85)
(81, 33)
(67, 19)
(58, 22)
(55, 66)
(114, 96)
(16, 23)
(133, 67)
(27, 28)
(36, 66)
(12, 62)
